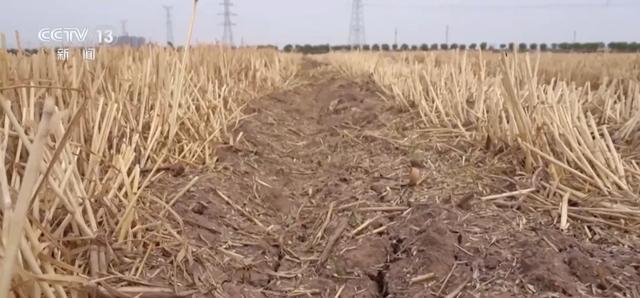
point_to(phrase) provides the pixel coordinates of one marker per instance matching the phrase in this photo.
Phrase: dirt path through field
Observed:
(312, 197)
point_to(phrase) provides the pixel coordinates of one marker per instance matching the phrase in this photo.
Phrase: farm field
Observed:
(212, 172)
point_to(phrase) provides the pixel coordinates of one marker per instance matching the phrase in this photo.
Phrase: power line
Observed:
(461, 5)
(356, 27)
(169, 25)
(227, 35)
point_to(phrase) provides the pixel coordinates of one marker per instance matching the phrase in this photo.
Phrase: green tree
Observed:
(385, 47)
(404, 47)
(434, 47)
(424, 47)
(395, 46)
(589, 47)
(533, 46)
(623, 46)
(288, 48)
(543, 47)
(483, 46)
(444, 46)
(522, 47)
(473, 46)
(270, 47)
(576, 46)
(454, 46)
(375, 47)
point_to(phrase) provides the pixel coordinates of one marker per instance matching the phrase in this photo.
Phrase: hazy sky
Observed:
(327, 21)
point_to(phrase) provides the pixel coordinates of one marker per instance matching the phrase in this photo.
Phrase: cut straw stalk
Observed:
(3, 41)
(331, 241)
(564, 211)
(320, 232)
(508, 194)
(18, 218)
(422, 278)
(7, 205)
(178, 91)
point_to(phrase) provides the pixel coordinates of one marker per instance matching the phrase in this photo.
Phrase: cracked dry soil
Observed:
(311, 199)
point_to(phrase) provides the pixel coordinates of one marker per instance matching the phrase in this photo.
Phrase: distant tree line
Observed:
(588, 47)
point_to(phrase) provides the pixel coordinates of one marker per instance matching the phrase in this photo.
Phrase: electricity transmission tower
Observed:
(446, 35)
(169, 25)
(123, 23)
(395, 36)
(227, 35)
(356, 28)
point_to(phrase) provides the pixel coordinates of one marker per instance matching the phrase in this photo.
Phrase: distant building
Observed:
(132, 41)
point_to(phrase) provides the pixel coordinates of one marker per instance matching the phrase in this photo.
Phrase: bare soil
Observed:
(313, 197)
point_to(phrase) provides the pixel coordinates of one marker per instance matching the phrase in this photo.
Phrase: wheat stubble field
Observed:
(212, 172)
